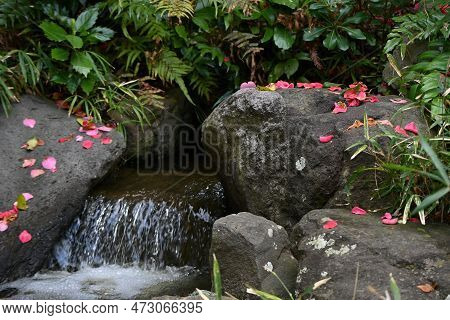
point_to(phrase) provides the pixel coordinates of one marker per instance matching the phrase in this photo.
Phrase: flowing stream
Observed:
(136, 231)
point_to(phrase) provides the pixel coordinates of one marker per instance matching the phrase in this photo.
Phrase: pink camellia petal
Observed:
(49, 163)
(339, 107)
(390, 221)
(3, 226)
(373, 99)
(104, 129)
(326, 139)
(280, 84)
(36, 173)
(353, 102)
(81, 129)
(387, 215)
(334, 88)
(98, 136)
(27, 196)
(411, 127)
(385, 123)
(361, 96)
(106, 140)
(398, 101)
(401, 131)
(79, 138)
(29, 123)
(92, 133)
(330, 224)
(28, 163)
(300, 84)
(358, 211)
(248, 85)
(25, 236)
(87, 144)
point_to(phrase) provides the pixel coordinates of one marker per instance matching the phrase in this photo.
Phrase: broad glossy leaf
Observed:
(283, 38)
(86, 20)
(314, 33)
(53, 31)
(291, 67)
(60, 54)
(355, 33)
(87, 85)
(75, 41)
(330, 41)
(288, 3)
(81, 62)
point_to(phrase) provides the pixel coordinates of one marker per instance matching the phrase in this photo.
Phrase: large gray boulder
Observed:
(412, 253)
(59, 196)
(267, 151)
(247, 248)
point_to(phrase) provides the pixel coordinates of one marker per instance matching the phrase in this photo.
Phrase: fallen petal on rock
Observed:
(49, 163)
(79, 138)
(358, 211)
(27, 196)
(28, 163)
(87, 144)
(106, 140)
(330, 224)
(340, 107)
(104, 129)
(25, 236)
(326, 139)
(401, 131)
(398, 101)
(248, 85)
(29, 123)
(36, 173)
(92, 133)
(3, 226)
(411, 127)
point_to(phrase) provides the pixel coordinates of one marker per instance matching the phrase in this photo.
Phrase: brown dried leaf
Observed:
(427, 288)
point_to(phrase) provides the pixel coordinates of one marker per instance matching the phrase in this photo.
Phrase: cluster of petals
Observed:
(410, 127)
(387, 219)
(280, 84)
(309, 85)
(356, 94)
(248, 85)
(340, 107)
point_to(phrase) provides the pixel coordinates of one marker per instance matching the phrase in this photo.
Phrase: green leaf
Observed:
(86, 20)
(394, 288)
(87, 85)
(53, 31)
(81, 63)
(202, 23)
(217, 278)
(342, 43)
(355, 33)
(21, 202)
(432, 198)
(391, 44)
(267, 35)
(360, 149)
(263, 295)
(270, 15)
(75, 41)
(101, 34)
(181, 31)
(435, 159)
(59, 78)
(283, 38)
(291, 67)
(330, 41)
(72, 83)
(314, 33)
(288, 3)
(356, 19)
(60, 54)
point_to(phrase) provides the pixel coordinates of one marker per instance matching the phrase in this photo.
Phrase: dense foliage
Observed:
(98, 54)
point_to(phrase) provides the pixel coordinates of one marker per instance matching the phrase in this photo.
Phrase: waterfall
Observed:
(146, 233)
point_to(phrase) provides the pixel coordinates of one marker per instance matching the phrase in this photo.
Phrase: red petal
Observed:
(3, 226)
(49, 163)
(106, 140)
(25, 236)
(36, 173)
(326, 139)
(28, 163)
(339, 107)
(390, 221)
(401, 131)
(330, 224)
(87, 144)
(333, 89)
(104, 129)
(358, 211)
(411, 127)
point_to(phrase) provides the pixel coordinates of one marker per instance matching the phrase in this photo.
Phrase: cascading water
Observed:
(147, 233)
(132, 234)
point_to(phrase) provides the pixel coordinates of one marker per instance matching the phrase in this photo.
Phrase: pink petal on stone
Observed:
(390, 221)
(401, 131)
(28, 163)
(87, 144)
(25, 236)
(92, 133)
(49, 163)
(248, 85)
(316, 85)
(335, 88)
(104, 129)
(3, 226)
(79, 138)
(339, 107)
(385, 123)
(106, 140)
(29, 123)
(98, 136)
(358, 211)
(36, 173)
(330, 224)
(27, 196)
(411, 127)
(326, 139)
(387, 215)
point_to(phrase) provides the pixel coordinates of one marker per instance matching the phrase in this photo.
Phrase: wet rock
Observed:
(413, 253)
(59, 196)
(247, 247)
(271, 163)
(180, 286)
(8, 292)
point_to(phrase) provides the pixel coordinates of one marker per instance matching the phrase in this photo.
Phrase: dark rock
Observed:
(8, 292)
(59, 196)
(181, 286)
(267, 150)
(413, 253)
(246, 246)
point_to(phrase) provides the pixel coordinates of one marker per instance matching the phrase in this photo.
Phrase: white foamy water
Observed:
(105, 282)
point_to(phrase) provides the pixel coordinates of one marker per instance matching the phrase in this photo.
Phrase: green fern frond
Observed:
(167, 66)
(203, 84)
(174, 8)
